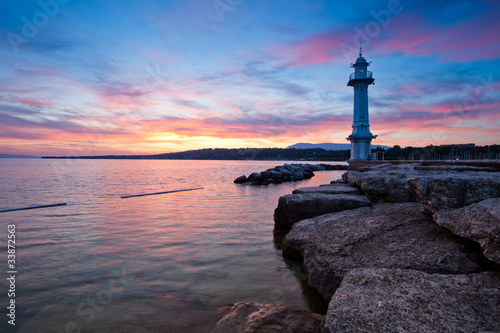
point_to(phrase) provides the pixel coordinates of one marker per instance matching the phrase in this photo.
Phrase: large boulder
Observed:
(391, 300)
(276, 174)
(479, 222)
(454, 190)
(328, 189)
(384, 183)
(241, 179)
(255, 177)
(308, 174)
(401, 235)
(266, 174)
(250, 317)
(297, 174)
(296, 207)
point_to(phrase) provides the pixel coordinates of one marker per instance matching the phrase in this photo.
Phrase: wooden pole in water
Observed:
(31, 207)
(156, 193)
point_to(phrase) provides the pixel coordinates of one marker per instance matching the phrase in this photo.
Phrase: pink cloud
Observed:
(317, 49)
(470, 40)
(444, 116)
(406, 33)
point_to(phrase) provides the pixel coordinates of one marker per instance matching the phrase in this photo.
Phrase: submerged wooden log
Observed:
(31, 207)
(156, 193)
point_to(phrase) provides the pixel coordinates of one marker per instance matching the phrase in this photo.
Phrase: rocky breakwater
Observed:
(419, 254)
(286, 173)
(438, 187)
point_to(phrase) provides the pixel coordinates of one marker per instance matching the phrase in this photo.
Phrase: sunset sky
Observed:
(130, 77)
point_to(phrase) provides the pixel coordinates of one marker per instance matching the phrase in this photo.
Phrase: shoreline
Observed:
(382, 244)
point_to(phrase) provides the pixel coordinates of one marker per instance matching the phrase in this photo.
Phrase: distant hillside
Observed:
(315, 154)
(444, 152)
(329, 146)
(17, 156)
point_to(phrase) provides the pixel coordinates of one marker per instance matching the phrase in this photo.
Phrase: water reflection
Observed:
(155, 263)
(314, 300)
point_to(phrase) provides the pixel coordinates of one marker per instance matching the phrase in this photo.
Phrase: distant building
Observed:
(361, 137)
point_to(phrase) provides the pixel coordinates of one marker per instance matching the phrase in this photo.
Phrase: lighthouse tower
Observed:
(361, 137)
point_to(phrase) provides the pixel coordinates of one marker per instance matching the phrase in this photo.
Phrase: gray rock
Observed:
(328, 189)
(266, 174)
(454, 190)
(386, 184)
(400, 235)
(295, 207)
(241, 179)
(250, 317)
(297, 174)
(308, 174)
(255, 177)
(479, 222)
(391, 300)
(276, 174)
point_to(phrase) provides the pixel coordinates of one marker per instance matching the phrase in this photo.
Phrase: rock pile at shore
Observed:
(250, 317)
(395, 248)
(286, 173)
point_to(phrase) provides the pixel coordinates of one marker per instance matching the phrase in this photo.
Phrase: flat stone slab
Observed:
(446, 190)
(439, 187)
(328, 189)
(397, 235)
(296, 207)
(383, 183)
(250, 317)
(392, 300)
(479, 222)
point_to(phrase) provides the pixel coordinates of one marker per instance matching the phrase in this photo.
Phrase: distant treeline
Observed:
(444, 152)
(289, 154)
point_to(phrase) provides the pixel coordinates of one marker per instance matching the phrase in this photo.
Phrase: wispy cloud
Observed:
(165, 76)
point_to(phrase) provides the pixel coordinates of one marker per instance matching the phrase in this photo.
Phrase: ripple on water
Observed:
(149, 263)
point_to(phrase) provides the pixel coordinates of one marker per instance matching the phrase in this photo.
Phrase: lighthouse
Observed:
(361, 137)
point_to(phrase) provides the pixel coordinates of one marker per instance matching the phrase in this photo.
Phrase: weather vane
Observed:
(360, 50)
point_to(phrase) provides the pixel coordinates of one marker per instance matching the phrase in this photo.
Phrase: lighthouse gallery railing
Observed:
(361, 75)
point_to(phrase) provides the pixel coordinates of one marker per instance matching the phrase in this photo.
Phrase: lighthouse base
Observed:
(360, 148)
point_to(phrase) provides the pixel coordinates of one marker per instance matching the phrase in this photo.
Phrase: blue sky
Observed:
(125, 77)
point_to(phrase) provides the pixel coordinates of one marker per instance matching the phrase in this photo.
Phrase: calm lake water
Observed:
(161, 263)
